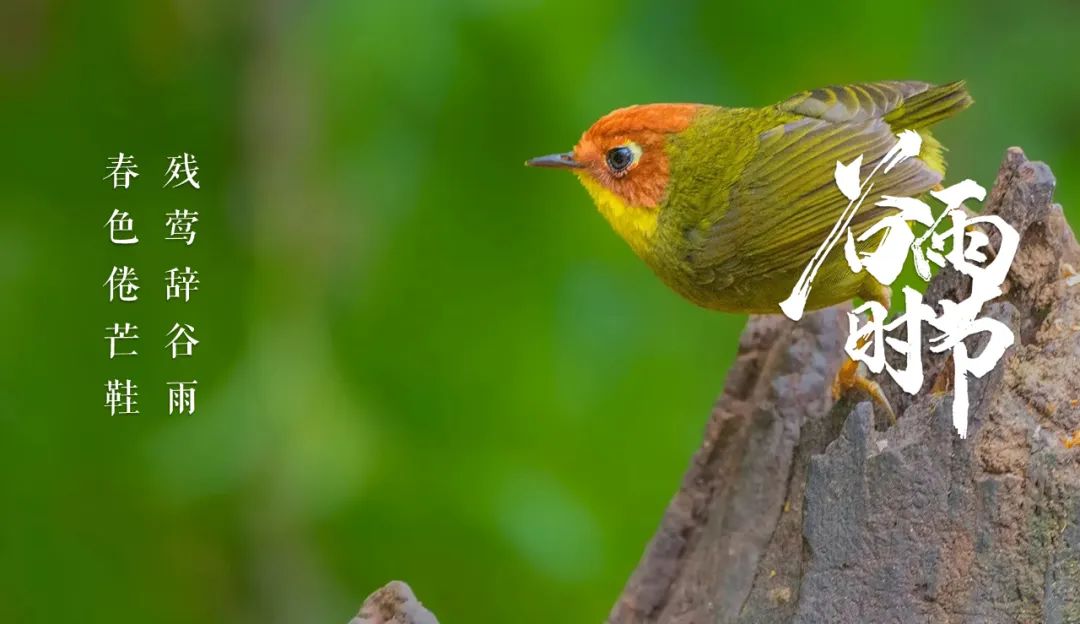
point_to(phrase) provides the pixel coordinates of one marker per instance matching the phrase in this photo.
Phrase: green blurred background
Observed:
(419, 359)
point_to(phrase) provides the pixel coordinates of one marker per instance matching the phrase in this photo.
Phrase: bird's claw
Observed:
(848, 378)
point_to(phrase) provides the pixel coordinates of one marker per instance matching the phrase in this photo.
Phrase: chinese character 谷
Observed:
(123, 169)
(121, 332)
(120, 397)
(182, 397)
(180, 283)
(847, 179)
(121, 283)
(179, 223)
(120, 223)
(182, 167)
(182, 340)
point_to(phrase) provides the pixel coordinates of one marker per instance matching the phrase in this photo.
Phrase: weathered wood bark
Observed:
(393, 603)
(797, 508)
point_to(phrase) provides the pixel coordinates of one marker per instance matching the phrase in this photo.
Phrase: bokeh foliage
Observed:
(420, 360)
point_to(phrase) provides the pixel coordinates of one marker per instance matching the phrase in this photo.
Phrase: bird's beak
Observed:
(558, 161)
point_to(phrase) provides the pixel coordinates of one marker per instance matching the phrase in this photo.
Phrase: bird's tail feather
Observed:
(930, 106)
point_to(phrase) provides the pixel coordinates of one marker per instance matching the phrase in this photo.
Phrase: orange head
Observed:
(623, 153)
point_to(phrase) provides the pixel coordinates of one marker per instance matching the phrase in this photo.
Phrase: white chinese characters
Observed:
(179, 284)
(123, 170)
(120, 397)
(120, 333)
(182, 397)
(121, 228)
(181, 340)
(181, 225)
(122, 285)
(964, 245)
(182, 170)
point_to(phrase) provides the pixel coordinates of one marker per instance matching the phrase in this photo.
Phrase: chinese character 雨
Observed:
(182, 166)
(119, 223)
(120, 397)
(180, 283)
(121, 332)
(121, 283)
(179, 223)
(182, 397)
(123, 169)
(182, 341)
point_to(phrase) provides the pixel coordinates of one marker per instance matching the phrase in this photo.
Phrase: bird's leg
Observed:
(849, 378)
(1074, 439)
(943, 382)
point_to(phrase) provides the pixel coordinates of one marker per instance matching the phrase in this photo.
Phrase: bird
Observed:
(728, 206)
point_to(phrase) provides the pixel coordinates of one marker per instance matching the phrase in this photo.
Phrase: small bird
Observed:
(728, 205)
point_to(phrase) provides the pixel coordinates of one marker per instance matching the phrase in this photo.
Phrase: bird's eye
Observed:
(619, 158)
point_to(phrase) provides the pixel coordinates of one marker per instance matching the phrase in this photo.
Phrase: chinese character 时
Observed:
(868, 343)
(182, 340)
(181, 171)
(180, 283)
(119, 224)
(120, 397)
(123, 170)
(120, 332)
(182, 397)
(179, 223)
(121, 284)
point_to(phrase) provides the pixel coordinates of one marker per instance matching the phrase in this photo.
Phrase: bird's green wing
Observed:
(786, 200)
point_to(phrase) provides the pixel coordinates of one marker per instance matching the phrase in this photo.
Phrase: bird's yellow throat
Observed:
(634, 223)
